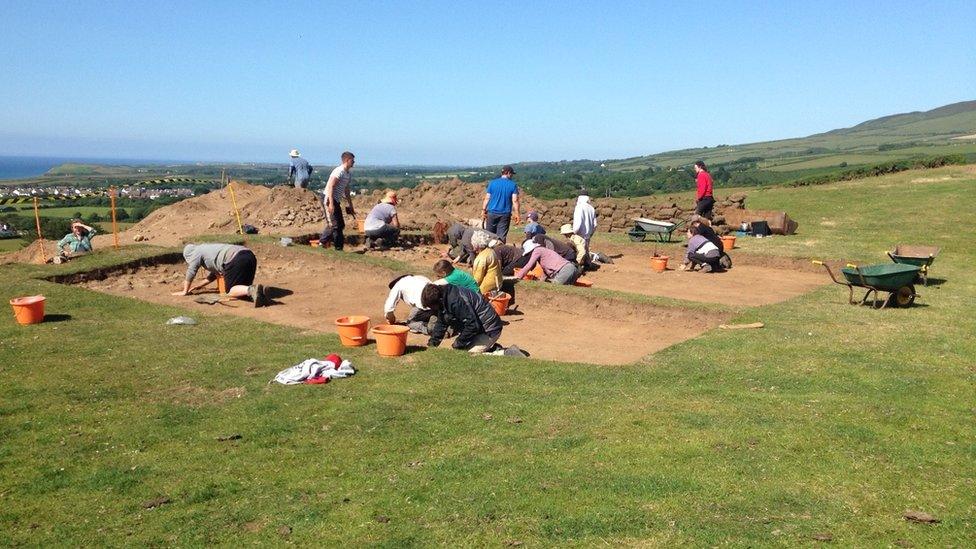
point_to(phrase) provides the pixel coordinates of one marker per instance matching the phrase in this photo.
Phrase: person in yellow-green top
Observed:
(487, 270)
(450, 275)
(78, 241)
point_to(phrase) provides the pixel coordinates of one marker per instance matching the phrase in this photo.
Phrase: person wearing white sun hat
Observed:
(300, 171)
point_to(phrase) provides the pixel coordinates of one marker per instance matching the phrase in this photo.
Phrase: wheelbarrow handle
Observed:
(830, 272)
(859, 274)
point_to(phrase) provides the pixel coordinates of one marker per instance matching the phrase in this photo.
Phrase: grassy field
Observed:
(68, 211)
(831, 422)
(11, 244)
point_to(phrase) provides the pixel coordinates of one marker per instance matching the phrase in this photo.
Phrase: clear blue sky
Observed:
(463, 82)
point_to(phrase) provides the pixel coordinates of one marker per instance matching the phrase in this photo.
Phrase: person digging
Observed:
(236, 264)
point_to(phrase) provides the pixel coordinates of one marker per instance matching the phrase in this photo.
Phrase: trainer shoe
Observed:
(260, 300)
(725, 261)
(706, 268)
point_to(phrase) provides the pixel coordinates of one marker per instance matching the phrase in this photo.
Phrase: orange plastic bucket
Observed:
(728, 242)
(391, 339)
(361, 225)
(352, 330)
(28, 310)
(659, 263)
(221, 284)
(313, 243)
(583, 282)
(500, 303)
(535, 274)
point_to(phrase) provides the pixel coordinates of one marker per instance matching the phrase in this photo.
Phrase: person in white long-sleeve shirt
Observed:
(584, 219)
(407, 288)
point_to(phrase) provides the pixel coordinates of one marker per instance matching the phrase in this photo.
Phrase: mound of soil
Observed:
(36, 253)
(419, 208)
(279, 210)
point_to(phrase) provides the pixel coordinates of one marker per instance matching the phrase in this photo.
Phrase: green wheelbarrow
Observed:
(893, 278)
(922, 256)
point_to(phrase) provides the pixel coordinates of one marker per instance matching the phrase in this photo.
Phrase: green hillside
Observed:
(883, 139)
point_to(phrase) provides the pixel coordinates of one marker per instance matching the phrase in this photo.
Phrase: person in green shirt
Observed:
(78, 241)
(457, 277)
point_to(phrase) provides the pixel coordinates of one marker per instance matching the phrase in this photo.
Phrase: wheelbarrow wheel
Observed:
(637, 237)
(903, 297)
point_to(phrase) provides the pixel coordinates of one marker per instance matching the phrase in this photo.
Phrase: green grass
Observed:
(69, 211)
(11, 244)
(831, 419)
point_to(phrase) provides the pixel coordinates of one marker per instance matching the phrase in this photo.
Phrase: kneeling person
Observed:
(236, 264)
(477, 325)
(407, 288)
(382, 226)
(449, 275)
(701, 252)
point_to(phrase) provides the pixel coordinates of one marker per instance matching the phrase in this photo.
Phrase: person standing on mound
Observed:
(501, 200)
(335, 190)
(300, 171)
(236, 264)
(704, 201)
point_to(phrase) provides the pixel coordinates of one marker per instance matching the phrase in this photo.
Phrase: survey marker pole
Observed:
(37, 220)
(115, 224)
(233, 199)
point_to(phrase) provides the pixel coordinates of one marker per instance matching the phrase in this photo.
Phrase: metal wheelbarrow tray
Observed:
(644, 226)
(893, 278)
(922, 256)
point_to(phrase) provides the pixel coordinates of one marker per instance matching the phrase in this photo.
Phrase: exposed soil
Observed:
(754, 280)
(37, 252)
(316, 289)
(744, 284)
(279, 210)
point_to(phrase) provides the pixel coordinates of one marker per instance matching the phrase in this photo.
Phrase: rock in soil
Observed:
(155, 502)
(921, 517)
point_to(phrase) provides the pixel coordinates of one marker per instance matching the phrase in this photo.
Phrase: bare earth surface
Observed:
(754, 280)
(320, 289)
(748, 285)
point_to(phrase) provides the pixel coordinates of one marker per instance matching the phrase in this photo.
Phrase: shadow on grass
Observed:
(934, 282)
(56, 318)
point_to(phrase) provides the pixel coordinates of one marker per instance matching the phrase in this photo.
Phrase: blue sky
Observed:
(463, 83)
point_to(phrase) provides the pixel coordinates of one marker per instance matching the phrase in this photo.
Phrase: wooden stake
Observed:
(115, 225)
(237, 213)
(37, 220)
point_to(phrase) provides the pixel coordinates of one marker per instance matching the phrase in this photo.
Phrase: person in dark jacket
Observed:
(508, 255)
(459, 239)
(477, 325)
(561, 247)
(705, 229)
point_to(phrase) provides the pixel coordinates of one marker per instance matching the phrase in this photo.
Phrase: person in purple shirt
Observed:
(701, 252)
(501, 199)
(554, 266)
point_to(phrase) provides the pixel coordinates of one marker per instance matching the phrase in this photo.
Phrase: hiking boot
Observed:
(725, 261)
(706, 268)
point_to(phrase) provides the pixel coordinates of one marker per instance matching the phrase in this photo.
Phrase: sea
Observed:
(21, 167)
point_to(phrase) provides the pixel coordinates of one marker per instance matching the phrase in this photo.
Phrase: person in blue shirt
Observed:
(501, 201)
(300, 171)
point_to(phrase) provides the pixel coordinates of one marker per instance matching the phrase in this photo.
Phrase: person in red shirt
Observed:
(704, 199)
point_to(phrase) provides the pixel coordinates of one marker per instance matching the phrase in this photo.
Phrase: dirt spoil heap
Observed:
(277, 210)
(453, 200)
